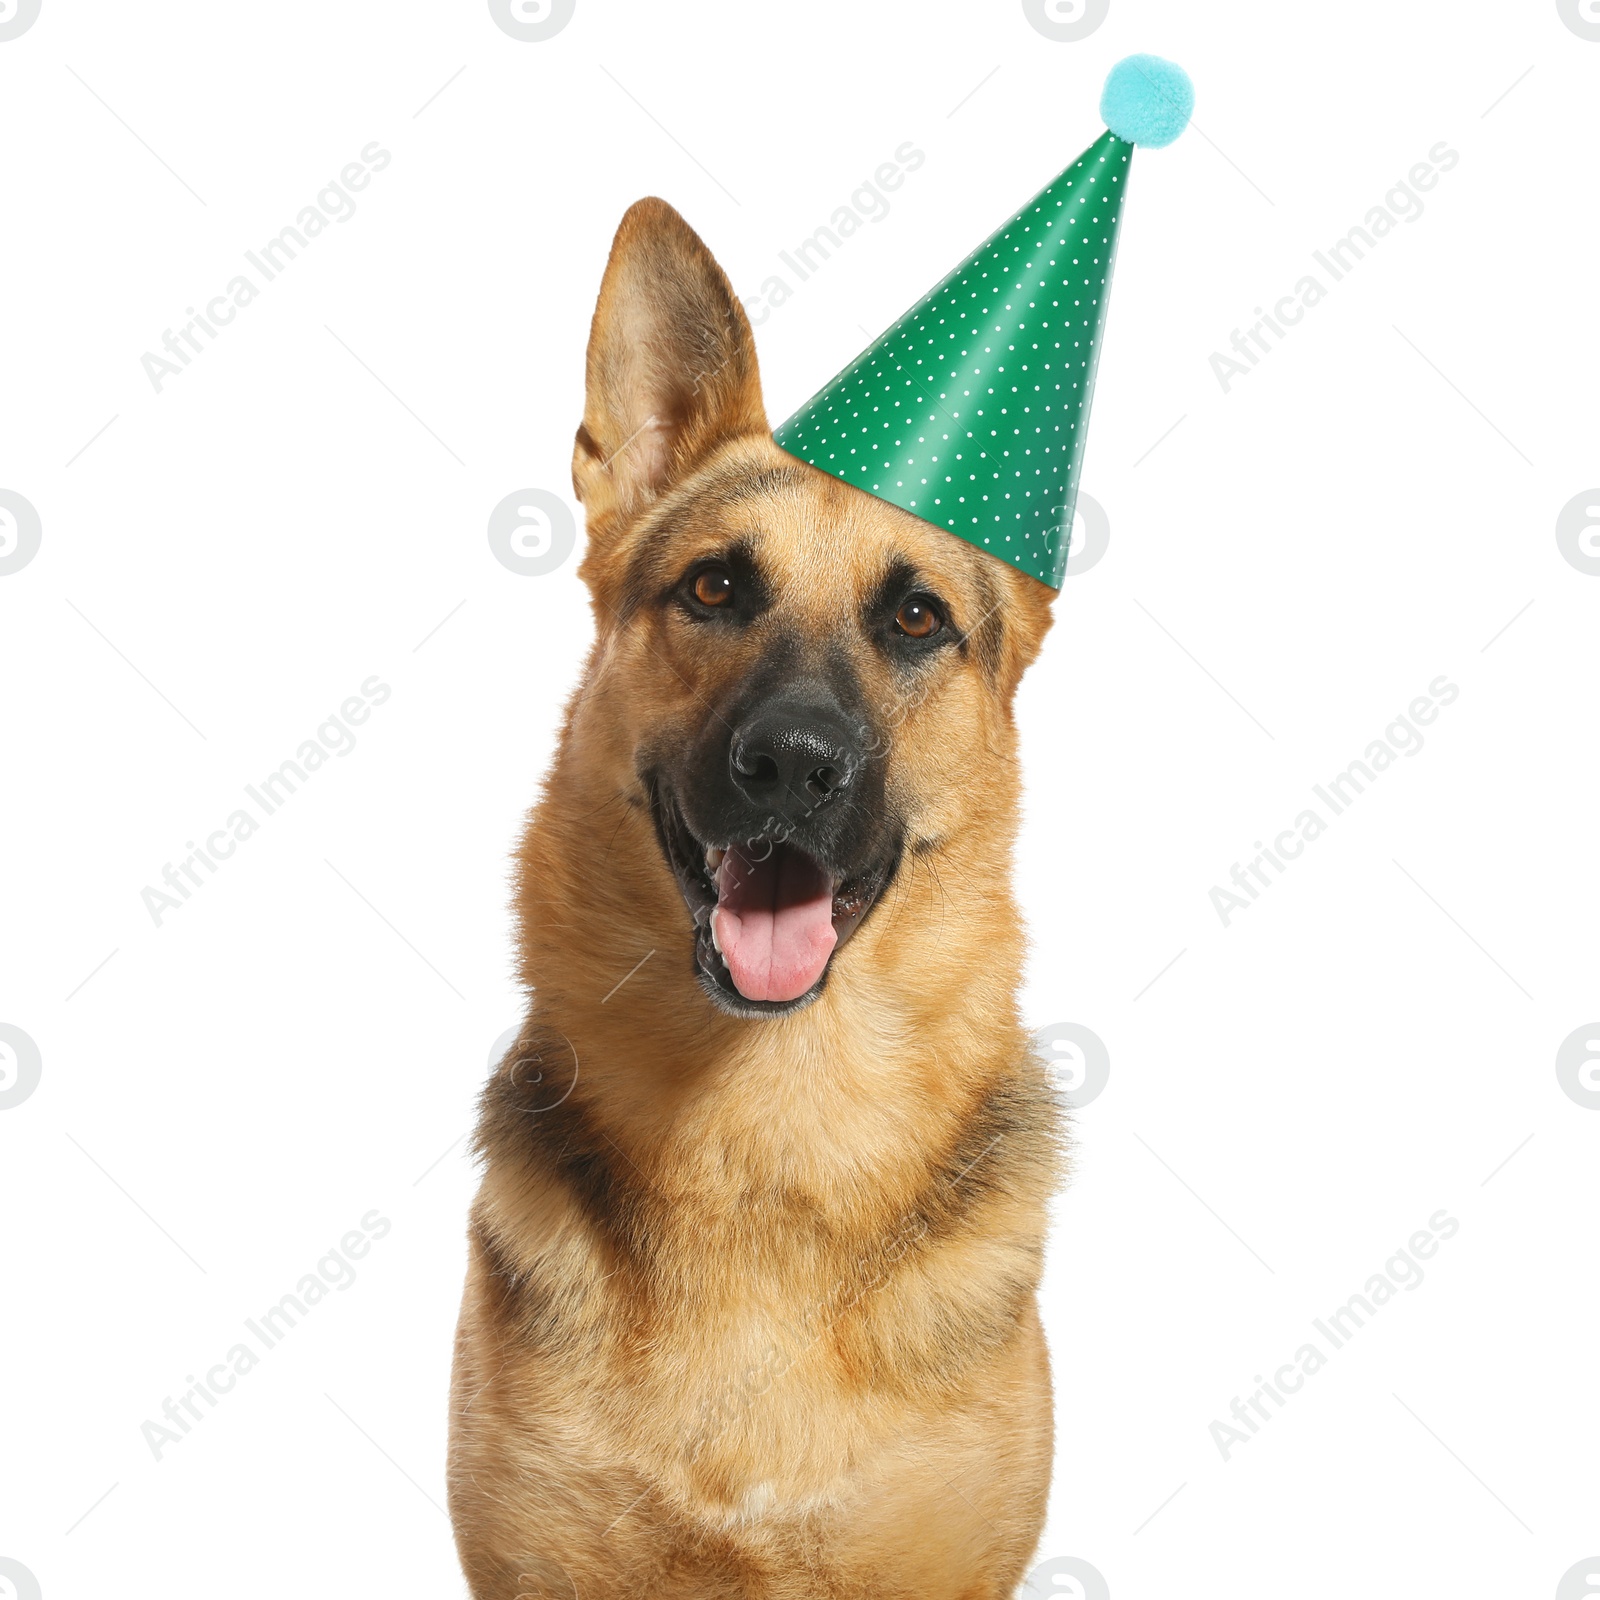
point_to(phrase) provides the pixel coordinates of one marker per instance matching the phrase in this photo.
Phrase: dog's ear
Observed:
(672, 366)
(1032, 613)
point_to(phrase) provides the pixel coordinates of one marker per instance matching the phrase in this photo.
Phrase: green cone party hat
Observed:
(971, 411)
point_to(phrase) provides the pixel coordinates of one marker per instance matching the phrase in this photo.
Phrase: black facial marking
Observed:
(750, 596)
(988, 632)
(900, 583)
(644, 575)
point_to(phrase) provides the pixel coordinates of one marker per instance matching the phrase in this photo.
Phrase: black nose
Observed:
(794, 756)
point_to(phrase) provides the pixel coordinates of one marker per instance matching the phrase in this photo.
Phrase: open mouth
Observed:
(769, 916)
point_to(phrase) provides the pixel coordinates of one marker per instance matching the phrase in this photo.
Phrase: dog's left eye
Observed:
(713, 586)
(918, 618)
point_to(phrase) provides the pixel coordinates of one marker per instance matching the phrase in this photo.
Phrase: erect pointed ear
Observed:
(672, 365)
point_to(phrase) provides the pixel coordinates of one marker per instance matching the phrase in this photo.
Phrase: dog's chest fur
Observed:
(746, 1332)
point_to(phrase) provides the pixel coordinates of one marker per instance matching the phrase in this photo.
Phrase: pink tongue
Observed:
(774, 920)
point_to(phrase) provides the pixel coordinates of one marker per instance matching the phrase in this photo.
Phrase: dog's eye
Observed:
(918, 619)
(713, 586)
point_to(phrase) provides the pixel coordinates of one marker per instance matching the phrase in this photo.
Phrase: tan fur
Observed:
(750, 1309)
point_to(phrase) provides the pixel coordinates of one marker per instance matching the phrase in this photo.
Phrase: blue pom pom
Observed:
(1147, 101)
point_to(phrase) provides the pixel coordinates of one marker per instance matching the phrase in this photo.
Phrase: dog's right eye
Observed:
(712, 586)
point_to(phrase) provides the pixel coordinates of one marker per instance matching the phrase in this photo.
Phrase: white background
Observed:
(1290, 566)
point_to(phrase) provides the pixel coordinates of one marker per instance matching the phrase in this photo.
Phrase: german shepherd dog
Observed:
(751, 1310)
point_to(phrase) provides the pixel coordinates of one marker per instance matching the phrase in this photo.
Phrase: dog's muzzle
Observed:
(775, 829)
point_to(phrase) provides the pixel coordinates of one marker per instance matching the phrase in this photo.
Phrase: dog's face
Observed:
(807, 686)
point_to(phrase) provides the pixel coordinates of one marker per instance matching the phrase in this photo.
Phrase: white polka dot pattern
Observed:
(971, 410)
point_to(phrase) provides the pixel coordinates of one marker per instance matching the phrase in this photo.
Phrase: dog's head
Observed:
(808, 688)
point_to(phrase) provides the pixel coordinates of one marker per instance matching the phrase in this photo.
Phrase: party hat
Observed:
(971, 410)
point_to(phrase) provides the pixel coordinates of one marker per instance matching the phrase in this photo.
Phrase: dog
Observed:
(751, 1303)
